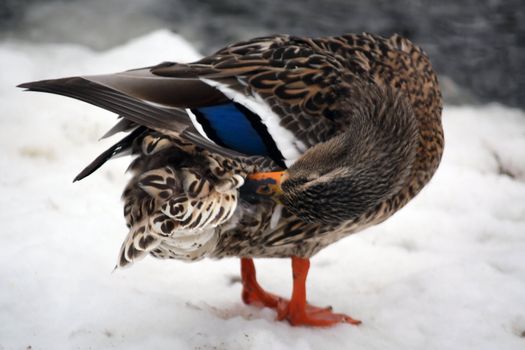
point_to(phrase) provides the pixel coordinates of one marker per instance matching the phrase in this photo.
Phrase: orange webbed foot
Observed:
(296, 310)
(312, 316)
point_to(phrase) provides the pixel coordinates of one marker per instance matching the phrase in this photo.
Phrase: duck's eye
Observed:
(264, 190)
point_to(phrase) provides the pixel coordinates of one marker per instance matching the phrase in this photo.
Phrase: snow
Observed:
(446, 272)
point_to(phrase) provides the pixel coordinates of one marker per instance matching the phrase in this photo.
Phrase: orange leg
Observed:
(252, 292)
(296, 310)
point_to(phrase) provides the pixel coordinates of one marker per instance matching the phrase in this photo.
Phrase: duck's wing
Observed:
(140, 97)
(273, 96)
(291, 84)
(142, 100)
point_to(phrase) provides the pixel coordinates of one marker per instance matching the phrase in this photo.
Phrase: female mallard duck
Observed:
(273, 147)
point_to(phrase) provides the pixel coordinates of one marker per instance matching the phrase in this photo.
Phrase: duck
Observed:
(274, 147)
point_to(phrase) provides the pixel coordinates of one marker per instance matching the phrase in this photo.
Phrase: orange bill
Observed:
(265, 183)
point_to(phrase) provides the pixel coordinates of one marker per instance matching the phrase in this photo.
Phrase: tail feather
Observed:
(174, 208)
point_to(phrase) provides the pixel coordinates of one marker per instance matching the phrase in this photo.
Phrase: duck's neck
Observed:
(429, 151)
(368, 162)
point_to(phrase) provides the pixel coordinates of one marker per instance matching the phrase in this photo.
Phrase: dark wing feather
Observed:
(141, 98)
(120, 147)
(123, 125)
(115, 101)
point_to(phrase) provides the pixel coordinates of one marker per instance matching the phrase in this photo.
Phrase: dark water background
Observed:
(477, 46)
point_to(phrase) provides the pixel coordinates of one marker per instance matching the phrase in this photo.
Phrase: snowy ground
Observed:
(446, 272)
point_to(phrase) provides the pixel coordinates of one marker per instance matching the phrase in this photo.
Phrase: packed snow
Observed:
(446, 272)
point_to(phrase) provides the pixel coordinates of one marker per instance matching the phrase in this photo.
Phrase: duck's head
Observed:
(345, 177)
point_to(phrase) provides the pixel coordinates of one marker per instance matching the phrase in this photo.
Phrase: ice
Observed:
(446, 272)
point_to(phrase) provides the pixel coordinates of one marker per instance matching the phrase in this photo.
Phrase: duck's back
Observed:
(404, 67)
(392, 63)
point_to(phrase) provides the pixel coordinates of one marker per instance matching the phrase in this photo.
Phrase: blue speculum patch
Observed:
(228, 126)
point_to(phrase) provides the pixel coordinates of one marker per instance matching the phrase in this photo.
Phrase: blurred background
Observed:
(477, 46)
